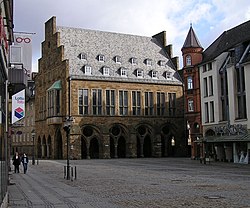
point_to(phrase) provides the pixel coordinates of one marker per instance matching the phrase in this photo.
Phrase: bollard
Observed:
(75, 172)
(72, 173)
(64, 171)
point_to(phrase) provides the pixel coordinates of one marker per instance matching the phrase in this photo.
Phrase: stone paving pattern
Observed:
(140, 183)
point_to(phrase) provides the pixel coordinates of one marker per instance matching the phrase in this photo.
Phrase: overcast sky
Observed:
(139, 17)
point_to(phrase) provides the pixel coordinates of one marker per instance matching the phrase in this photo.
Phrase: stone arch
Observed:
(39, 147)
(84, 148)
(168, 132)
(144, 142)
(58, 145)
(44, 147)
(94, 148)
(49, 148)
(90, 141)
(118, 140)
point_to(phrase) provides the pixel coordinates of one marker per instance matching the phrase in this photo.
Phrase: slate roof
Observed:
(227, 40)
(93, 43)
(191, 40)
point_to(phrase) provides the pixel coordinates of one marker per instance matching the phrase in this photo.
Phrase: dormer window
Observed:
(83, 56)
(161, 63)
(101, 58)
(118, 59)
(105, 71)
(133, 60)
(168, 75)
(154, 74)
(139, 73)
(148, 62)
(188, 60)
(124, 72)
(87, 70)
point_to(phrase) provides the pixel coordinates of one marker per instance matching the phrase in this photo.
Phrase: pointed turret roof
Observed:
(191, 40)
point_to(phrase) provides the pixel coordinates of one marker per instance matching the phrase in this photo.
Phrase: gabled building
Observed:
(192, 56)
(225, 95)
(122, 94)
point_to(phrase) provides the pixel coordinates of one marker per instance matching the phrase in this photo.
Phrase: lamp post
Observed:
(33, 134)
(66, 127)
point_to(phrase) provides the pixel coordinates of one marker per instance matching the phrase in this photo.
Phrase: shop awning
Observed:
(233, 138)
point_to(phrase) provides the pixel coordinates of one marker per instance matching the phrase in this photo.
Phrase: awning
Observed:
(57, 85)
(233, 138)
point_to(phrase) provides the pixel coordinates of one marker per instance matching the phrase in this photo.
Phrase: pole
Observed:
(68, 170)
(33, 157)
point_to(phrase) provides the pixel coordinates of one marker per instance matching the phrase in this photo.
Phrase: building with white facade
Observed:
(225, 95)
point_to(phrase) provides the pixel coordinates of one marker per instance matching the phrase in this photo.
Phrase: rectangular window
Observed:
(118, 60)
(205, 87)
(134, 61)
(209, 66)
(241, 94)
(105, 71)
(97, 102)
(172, 104)
(110, 102)
(87, 70)
(149, 104)
(204, 68)
(101, 58)
(139, 73)
(136, 103)
(83, 102)
(189, 83)
(123, 103)
(154, 74)
(211, 111)
(206, 113)
(160, 103)
(149, 62)
(211, 88)
(124, 72)
(190, 105)
(83, 56)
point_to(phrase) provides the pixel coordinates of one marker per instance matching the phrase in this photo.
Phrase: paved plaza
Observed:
(144, 183)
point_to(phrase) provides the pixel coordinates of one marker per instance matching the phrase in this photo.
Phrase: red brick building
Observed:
(192, 56)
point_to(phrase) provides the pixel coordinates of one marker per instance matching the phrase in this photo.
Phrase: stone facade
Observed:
(131, 107)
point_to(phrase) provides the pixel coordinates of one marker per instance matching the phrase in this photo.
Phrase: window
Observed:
(105, 71)
(101, 58)
(136, 103)
(206, 113)
(211, 111)
(154, 74)
(171, 103)
(161, 63)
(123, 103)
(224, 95)
(188, 60)
(211, 89)
(124, 72)
(97, 102)
(205, 87)
(133, 60)
(168, 75)
(149, 104)
(241, 93)
(139, 73)
(209, 66)
(148, 62)
(87, 70)
(190, 105)
(83, 56)
(54, 98)
(204, 68)
(118, 59)
(83, 105)
(110, 102)
(160, 103)
(189, 82)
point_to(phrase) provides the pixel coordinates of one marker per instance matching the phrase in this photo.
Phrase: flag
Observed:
(18, 106)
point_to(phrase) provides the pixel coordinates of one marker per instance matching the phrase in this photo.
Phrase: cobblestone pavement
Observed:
(139, 183)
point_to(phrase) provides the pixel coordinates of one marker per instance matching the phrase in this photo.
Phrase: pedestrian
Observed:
(25, 161)
(16, 162)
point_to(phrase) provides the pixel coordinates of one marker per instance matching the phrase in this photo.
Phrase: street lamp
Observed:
(33, 134)
(66, 127)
